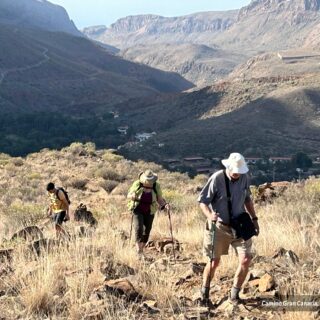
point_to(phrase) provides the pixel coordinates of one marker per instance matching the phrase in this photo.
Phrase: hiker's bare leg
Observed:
(209, 274)
(242, 270)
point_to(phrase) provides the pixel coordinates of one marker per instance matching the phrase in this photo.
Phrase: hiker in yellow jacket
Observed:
(58, 208)
(145, 197)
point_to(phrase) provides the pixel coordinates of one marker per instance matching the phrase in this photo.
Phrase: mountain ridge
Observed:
(37, 14)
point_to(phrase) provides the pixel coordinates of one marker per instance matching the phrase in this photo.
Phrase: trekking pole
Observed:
(131, 227)
(171, 232)
(213, 231)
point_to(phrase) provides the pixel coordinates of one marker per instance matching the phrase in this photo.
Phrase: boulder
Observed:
(270, 190)
(81, 214)
(114, 270)
(289, 255)
(123, 288)
(160, 244)
(266, 283)
(30, 233)
(150, 306)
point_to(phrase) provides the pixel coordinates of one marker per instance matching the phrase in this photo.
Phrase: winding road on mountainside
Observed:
(45, 59)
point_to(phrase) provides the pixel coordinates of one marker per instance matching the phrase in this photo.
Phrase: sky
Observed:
(104, 12)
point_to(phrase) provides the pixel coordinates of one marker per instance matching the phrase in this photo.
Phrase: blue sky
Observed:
(88, 13)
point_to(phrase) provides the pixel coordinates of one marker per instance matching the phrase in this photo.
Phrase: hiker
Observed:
(145, 196)
(59, 207)
(223, 201)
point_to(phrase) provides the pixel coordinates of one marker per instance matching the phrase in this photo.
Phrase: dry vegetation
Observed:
(66, 281)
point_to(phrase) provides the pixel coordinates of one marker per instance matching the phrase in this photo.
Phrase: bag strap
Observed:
(226, 179)
(57, 193)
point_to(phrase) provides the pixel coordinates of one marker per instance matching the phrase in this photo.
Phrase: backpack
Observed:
(65, 194)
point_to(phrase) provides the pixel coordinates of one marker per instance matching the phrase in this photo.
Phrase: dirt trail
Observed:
(45, 59)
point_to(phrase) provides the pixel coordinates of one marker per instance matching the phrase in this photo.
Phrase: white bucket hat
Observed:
(236, 163)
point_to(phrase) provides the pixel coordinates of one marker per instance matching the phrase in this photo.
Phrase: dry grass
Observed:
(59, 284)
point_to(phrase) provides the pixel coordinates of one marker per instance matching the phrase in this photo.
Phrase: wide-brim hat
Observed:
(236, 163)
(148, 177)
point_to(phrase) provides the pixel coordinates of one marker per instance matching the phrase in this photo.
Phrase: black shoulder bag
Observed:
(242, 225)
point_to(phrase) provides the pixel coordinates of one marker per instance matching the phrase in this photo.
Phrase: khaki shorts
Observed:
(223, 238)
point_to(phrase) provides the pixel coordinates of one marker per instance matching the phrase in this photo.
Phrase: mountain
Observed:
(270, 25)
(56, 87)
(199, 64)
(260, 27)
(36, 13)
(55, 70)
(142, 29)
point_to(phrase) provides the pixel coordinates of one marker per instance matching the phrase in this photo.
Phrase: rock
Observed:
(256, 273)
(266, 283)
(197, 268)
(318, 271)
(269, 294)
(160, 244)
(114, 270)
(150, 306)
(30, 233)
(227, 307)
(122, 287)
(81, 214)
(254, 283)
(195, 314)
(270, 190)
(288, 254)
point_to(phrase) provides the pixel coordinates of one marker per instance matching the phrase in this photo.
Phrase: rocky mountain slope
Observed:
(54, 85)
(95, 273)
(36, 13)
(263, 116)
(142, 29)
(199, 64)
(260, 27)
(56, 70)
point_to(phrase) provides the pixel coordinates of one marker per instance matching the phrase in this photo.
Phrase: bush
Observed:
(78, 183)
(108, 185)
(108, 174)
(18, 162)
(110, 157)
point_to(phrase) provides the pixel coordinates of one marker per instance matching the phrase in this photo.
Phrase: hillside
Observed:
(263, 116)
(48, 77)
(96, 274)
(38, 14)
(199, 64)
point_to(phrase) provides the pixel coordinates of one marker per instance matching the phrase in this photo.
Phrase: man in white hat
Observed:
(220, 210)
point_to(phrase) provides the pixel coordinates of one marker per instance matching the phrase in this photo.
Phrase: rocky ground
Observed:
(95, 273)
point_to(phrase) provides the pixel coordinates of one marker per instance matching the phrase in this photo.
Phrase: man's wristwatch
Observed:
(254, 218)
